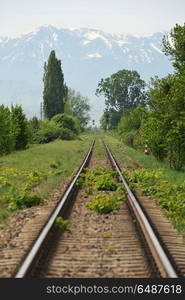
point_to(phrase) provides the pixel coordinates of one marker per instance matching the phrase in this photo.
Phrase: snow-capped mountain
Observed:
(87, 55)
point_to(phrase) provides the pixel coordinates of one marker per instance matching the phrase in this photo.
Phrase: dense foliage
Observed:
(171, 197)
(78, 106)
(122, 90)
(130, 124)
(47, 132)
(160, 126)
(55, 90)
(174, 46)
(13, 129)
(20, 129)
(164, 130)
(7, 143)
(66, 121)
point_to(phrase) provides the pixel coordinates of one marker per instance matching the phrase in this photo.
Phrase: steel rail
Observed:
(26, 265)
(161, 259)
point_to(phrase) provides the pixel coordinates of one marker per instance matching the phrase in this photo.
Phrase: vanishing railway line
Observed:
(132, 250)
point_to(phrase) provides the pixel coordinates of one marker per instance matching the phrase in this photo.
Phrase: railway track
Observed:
(119, 244)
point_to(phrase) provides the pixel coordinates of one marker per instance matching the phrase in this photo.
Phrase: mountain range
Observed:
(87, 55)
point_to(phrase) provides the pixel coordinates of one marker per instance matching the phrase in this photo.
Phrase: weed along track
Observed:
(95, 232)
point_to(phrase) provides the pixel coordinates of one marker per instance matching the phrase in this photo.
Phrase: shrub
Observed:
(24, 200)
(105, 184)
(67, 122)
(170, 197)
(99, 179)
(62, 224)
(67, 134)
(47, 132)
(130, 123)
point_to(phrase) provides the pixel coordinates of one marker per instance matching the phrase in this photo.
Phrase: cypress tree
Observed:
(54, 87)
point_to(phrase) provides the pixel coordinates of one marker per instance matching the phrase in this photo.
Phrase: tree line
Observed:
(65, 114)
(150, 115)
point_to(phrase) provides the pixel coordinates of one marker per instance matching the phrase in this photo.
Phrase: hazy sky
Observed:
(140, 17)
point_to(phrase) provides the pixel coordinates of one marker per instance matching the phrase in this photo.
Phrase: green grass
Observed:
(131, 156)
(38, 170)
(154, 179)
(100, 152)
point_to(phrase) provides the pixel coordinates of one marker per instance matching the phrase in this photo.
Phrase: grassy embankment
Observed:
(27, 177)
(131, 157)
(155, 179)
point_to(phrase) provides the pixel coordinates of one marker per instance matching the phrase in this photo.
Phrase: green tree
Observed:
(163, 127)
(174, 46)
(103, 122)
(69, 126)
(176, 143)
(7, 141)
(19, 127)
(55, 91)
(112, 118)
(122, 90)
(130, 124)
(79, 106)
(153, 135)
(164, 130)
(33, 127)
(68, 108)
